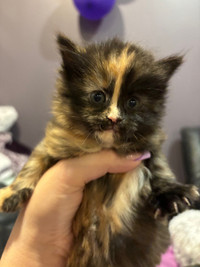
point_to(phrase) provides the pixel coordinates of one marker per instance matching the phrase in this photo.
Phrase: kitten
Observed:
(111, 96)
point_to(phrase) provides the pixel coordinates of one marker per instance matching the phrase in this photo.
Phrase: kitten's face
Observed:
(114, 92)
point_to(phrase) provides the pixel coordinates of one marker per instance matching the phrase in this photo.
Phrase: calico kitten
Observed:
(111, 96)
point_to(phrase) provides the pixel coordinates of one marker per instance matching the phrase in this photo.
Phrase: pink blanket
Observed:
(168, 259)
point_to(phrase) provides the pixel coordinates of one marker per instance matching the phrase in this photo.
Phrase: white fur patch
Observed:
(127, 194)
(114, 111)
(106, 138)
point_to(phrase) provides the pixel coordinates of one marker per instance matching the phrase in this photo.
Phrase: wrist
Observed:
(27, 247)
(23, 253)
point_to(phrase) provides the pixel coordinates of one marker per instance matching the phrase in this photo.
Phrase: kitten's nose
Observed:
(113, 119)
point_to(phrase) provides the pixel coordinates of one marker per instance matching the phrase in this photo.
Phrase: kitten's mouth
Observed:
(107, 135)
(113, 128)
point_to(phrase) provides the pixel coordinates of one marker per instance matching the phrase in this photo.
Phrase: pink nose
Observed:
(113, 119)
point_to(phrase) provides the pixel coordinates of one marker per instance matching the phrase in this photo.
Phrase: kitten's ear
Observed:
(65, 43)
(69, 51)
(170, 64)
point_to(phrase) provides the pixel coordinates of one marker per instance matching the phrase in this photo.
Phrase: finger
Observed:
(80, 171)
(125, 164)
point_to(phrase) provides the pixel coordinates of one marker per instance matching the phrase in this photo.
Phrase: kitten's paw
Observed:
(174, 199)
(11, 200)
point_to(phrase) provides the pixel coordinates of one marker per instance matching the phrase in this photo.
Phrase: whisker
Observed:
(98, 141)
(86, 138)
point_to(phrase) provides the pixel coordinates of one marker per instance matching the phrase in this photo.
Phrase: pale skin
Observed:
(42, 234)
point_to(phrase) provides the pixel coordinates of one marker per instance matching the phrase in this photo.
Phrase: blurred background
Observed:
(29, 59)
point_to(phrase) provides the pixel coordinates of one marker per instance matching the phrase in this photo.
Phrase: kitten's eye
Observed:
(131, 103)
(98, 97)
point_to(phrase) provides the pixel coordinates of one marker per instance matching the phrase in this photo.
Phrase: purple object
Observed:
(94, 9)
(168, 259)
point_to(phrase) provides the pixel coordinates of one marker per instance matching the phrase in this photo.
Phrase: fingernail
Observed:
(146, 155)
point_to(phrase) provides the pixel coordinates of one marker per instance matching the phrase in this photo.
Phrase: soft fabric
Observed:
(17, 159)
(13, 155)
(4, 139)
(185, 234)
(168, 259)
(6, 172)
(12, 162)
(5, 163)
(8, 117)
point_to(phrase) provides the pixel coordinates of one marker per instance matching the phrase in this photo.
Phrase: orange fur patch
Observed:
(117, 66)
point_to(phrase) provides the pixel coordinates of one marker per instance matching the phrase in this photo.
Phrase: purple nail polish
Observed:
(146, 155)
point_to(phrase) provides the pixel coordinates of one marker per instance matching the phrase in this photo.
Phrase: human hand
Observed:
(42, 235)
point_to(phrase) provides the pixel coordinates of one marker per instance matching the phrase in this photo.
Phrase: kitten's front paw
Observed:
(11, 200)
(173, 199)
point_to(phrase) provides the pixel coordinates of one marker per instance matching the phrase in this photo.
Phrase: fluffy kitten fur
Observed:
(111, 95)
